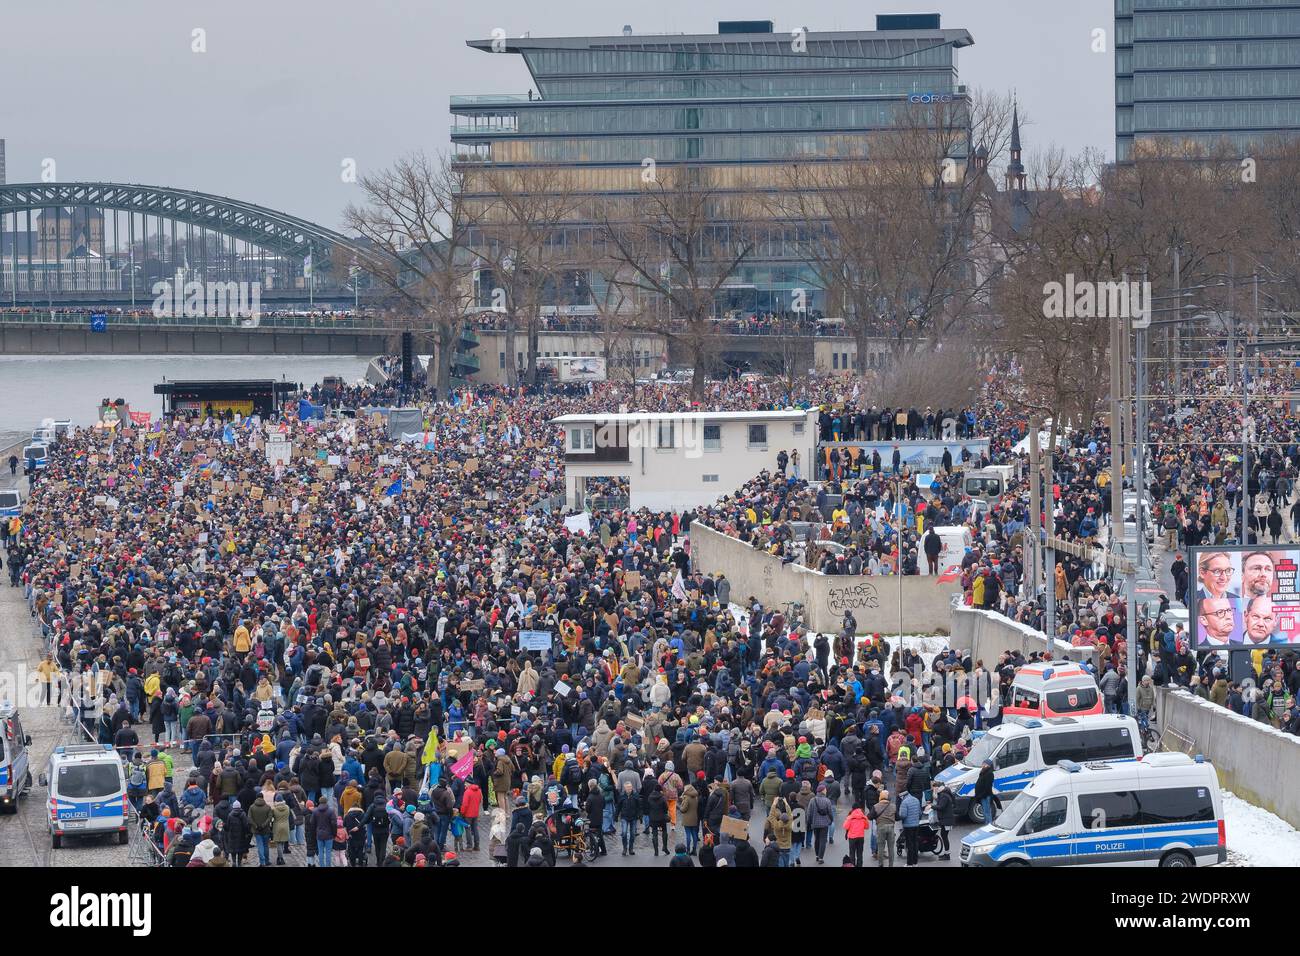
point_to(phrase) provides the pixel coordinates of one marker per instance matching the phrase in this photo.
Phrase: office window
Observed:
(710, 478)
(1108, 811)
(712, 438)
(757, 435)
(835, 360)
(798, 428)
(502, 357)
(664, 435)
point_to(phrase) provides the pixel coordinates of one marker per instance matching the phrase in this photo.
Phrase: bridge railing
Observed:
(82, 317)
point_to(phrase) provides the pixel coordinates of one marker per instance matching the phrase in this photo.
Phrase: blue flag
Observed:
(394, 489)
(228, 435)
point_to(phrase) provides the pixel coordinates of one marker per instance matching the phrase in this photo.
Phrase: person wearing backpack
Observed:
(820, 816)
(136, 781)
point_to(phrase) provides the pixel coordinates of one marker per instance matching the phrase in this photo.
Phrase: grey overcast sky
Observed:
(110, 90)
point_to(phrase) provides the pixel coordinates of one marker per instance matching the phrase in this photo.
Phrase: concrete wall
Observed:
(874, 601)
(18, 339)
(986, 634)
(1256, 762)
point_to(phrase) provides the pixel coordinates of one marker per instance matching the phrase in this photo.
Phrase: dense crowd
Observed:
(340, 644)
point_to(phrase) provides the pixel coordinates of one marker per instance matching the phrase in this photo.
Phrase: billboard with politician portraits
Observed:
(1245, 596)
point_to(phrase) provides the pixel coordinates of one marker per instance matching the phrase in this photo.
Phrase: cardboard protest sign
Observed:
(419, 485)
(471, 466)
(256, 494)
(354, 467)
(327, 474)
(735, 827)
(562, 688)
(471, 684)
(425, 471)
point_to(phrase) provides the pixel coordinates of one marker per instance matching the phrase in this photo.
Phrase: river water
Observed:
(36, 387)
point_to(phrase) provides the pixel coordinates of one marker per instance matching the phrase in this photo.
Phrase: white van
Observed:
(36, 457)
(1165, 810)
(1021, 748)
(87, 793)
(956, 540)
(15, 773)
(989, 483)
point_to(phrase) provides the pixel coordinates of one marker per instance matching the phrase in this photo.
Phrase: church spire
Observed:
(1015, 168)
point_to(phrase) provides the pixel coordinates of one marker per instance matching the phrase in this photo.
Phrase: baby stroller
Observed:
(927, 836)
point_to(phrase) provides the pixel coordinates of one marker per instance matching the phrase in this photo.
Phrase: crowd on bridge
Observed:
(338, 654)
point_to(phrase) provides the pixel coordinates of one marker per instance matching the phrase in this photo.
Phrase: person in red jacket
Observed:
(915, 724)
(856, 826)
(471, 805)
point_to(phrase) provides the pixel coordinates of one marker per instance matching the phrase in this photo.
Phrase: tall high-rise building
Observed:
(1205, 71)
(742, 103)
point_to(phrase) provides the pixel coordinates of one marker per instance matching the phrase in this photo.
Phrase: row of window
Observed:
(575, 120)
(716, 147)
(1242, 142)
(582, 438)
(812, 84)
(1214, 84)
(1259, 114)
(1112, 811)
(640, 358)
(1240, 23)
(1126, 7)
(1231, 53)
(890, 54)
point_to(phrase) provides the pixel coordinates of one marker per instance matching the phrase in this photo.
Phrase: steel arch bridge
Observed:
(276, 232)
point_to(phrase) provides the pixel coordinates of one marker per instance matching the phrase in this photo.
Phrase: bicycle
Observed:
(1150, 736)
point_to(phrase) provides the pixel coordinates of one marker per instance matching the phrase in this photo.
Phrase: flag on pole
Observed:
(394, 489)
(306, 266)
(462, 767)
(430, 747)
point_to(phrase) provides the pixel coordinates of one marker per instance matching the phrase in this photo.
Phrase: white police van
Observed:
(87, 793)
(1162, 810)
(11, 503)
(1023, 747)
(15, 773)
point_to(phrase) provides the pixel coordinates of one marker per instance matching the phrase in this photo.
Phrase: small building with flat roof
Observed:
(679, 460)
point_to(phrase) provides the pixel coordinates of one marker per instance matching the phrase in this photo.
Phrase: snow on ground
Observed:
(1257, 837)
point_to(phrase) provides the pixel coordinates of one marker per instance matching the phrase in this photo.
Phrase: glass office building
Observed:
(1203, 71)
(744, 102)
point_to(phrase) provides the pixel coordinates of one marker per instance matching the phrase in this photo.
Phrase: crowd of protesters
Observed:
(336, 644)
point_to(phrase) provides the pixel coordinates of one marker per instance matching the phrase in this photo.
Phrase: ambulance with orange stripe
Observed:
(1053, 689)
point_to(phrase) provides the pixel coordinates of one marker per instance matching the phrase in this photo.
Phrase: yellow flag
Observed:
(430, 747)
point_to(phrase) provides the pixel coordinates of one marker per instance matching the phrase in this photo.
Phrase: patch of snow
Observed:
(1257, 837)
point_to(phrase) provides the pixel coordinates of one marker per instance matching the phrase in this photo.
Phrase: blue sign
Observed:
(98, 322)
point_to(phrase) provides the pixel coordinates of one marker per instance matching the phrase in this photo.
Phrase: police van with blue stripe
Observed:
(1163, 810)
(15, 774)
(87, 793)
(1021, 748)
(11, 503)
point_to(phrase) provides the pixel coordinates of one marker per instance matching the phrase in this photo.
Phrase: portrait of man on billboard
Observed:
(1258, 574)
(1261, 622)
(1216, 620)
(1214, 569)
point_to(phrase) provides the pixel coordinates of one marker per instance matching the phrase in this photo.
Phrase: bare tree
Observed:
(1072, 231)
(528, 225)
(680, 242)
(415, 223)
(894, 232)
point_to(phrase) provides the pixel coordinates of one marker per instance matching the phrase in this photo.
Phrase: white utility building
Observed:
(679, 460)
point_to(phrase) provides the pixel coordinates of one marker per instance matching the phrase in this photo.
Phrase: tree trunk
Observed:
(698, 352)
(512, 368)
(442, 374)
